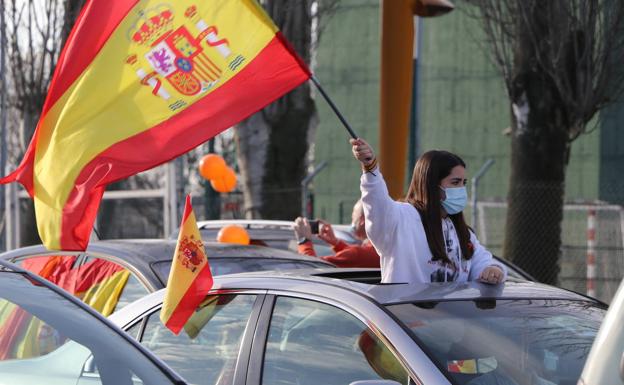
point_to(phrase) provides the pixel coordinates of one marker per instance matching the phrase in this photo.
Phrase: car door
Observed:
(213, 348)
(303, 341)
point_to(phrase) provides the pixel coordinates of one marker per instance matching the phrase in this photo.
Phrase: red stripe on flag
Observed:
(94, 25)
(196, 292)
(294, 54)
(188, 209)
(252, 89)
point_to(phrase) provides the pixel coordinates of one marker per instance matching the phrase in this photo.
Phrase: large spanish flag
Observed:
(190, 278)
(137, 84)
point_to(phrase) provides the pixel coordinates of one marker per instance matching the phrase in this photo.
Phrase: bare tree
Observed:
(273, 145)
(561, 61)
(36, 32)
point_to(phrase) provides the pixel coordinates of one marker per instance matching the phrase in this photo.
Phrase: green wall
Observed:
(348, 69)
(462, 104)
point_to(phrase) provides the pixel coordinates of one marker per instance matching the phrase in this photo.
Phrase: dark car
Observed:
(271, 233)
(340, 327)
(49, 337)
(113, 273)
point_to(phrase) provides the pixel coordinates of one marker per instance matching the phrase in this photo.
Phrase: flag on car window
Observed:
(190, 278)
(137, 84)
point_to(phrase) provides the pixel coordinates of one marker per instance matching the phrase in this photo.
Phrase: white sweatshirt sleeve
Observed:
(381, 212)
(481, 258)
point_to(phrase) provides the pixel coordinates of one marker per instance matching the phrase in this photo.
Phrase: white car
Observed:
(605, 363)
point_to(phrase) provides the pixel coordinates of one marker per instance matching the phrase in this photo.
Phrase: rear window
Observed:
(221, 266)
(505, 341)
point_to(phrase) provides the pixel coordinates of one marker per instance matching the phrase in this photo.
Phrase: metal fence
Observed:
(592, 250)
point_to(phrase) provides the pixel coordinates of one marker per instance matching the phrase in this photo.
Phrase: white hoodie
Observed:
(396, 231)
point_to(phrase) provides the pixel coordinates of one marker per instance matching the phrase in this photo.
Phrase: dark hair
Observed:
(424, 195)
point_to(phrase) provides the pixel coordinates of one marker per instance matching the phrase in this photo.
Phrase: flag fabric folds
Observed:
(137, 84)
(190, 278)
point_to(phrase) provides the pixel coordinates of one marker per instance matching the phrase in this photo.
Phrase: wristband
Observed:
(371, 166)
(302, 240)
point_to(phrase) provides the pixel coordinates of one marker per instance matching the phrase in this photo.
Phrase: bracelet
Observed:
(370, 167)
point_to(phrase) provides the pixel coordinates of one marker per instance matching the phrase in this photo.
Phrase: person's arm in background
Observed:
(303, 232)
(355, 256)
(347, 255)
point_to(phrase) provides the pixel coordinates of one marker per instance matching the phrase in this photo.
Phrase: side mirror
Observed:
(375, 382)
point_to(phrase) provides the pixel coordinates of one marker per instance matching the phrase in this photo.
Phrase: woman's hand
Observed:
(492, 275)
(326, 233)
(302, 228)
(362, 151)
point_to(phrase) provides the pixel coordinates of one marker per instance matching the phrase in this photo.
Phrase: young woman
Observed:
(424, 238)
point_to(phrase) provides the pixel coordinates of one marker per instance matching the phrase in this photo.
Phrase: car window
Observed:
(206, 351)
(220, 266)
(123, 283)
(505, 341)
(102, 284)
(312, 343)
(45, 338)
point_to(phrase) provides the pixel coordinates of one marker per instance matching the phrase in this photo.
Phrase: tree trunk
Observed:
(273, 144)
(535, 200)
(539, 155)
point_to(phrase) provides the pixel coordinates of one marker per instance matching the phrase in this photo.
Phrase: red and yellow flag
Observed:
(138, 83)
(190, 278)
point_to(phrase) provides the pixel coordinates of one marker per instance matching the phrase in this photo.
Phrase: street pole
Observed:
(475, 187)
(212, 199)
(304, 188)
(3, 118)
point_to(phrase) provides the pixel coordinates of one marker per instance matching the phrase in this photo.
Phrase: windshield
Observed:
(220, 266)
(46, 338)
(508, 342)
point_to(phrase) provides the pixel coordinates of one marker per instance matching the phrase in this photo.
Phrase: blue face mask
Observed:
(456, 199)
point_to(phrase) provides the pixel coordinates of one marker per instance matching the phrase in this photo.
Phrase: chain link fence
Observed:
(592, 244)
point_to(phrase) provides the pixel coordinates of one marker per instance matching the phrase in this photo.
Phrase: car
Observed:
(272, 233)
(280, 234)
(113, 273)
(341, 326)
(605, 364)
(49, 337)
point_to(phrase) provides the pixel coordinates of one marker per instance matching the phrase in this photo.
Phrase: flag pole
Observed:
(333, 106)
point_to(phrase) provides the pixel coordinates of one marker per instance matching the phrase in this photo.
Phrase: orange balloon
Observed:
(233, 234)
(212, 166)
(226, 182)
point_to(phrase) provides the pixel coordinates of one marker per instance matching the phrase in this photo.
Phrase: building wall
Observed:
(612, 154)
(348, 69)
(464, 108)
(462, 104)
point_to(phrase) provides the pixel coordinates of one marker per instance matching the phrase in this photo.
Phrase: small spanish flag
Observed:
(190, 278)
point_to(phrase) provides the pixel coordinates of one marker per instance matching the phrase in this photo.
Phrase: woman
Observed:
(424, 238)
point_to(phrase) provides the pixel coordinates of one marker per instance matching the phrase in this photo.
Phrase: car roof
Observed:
(366, 283)
(247, 223)
(152, 250)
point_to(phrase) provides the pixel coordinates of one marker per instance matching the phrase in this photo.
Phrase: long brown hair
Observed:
(424, 195)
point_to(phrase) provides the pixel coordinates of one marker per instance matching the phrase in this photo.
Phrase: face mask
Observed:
(456, 199)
